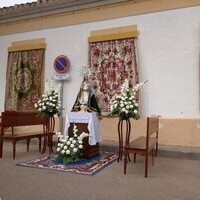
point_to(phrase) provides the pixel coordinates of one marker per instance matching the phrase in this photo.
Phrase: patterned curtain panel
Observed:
(23, 79)
(110, 63)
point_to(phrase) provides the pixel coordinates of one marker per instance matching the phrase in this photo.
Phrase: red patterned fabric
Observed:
(23, 79)
(110, 63)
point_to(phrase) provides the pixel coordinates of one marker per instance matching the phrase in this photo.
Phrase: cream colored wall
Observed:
(175, 132)
(168, 49)
(172, 131)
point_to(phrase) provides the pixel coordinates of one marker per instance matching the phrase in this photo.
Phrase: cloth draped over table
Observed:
(91, 102)
(93, 121)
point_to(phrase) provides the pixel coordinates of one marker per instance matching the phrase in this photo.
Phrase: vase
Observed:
(124, 129)
(48, 128)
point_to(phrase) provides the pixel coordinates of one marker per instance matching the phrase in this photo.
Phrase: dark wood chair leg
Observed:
(40, 139)
(45, 144)
(14, 148)
(1, 148)
(152, 153)
(51, 143)
(125, 160)
(28, 142)
(146, 165)
(129, 159)
(156, 149)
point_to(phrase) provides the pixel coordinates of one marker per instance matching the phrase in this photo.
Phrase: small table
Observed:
(87, 122)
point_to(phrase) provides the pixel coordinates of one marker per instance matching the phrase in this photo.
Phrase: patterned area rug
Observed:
(85, 167)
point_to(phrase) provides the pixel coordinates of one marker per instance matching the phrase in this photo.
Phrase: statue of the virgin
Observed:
(86, 100)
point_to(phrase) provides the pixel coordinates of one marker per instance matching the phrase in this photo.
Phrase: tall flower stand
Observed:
(48, 128)
(124, 129)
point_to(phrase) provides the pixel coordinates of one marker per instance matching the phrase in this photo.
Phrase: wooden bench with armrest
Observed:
(18, 119)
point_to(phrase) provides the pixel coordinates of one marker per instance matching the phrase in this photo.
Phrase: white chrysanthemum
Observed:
(135, 111)
(71, 139)
(65, 147)
(80, 142)
(72, 145)
(68, 152)
(74, 141)
(58, 149)
(75, 150)
(65, 140)
(123, 109)
(68, 143)
(63, 151)
(80, 146)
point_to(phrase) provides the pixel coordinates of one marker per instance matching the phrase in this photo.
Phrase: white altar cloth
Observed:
(94, 124)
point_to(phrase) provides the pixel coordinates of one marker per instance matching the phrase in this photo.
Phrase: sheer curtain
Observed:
(110, 63)
(23, 79)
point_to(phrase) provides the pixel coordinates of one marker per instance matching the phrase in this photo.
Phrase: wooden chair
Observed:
(144, 144)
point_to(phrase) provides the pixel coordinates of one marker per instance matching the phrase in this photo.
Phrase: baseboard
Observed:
(178, 152)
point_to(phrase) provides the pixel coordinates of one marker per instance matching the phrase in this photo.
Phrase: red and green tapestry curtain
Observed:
(23, 79)
(111, 62)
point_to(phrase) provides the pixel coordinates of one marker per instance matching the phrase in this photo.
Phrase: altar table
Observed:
(86, 122)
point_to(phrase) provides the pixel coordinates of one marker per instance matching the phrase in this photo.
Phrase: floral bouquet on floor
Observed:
(125, 105)
(50, 104)
(70, 148)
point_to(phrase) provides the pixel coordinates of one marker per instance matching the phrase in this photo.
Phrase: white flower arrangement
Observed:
(125, 106)
(70, 148)
(50, 104)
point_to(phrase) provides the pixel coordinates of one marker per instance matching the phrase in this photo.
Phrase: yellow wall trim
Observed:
(113, 34)
(27, 45)
(117, 10)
